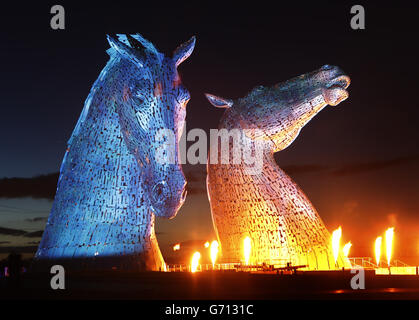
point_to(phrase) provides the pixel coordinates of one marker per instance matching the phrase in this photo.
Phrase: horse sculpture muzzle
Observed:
(335, 91)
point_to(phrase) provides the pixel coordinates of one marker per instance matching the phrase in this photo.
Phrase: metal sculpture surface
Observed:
(268, 206)
(111, 187)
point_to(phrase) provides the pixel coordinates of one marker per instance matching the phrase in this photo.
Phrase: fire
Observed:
(337, 234)
(346, 249)
(247, 244)
(207, 244)
(214, 252)
(389, 243)
(195, 261)
(378, 242)
(176, 247)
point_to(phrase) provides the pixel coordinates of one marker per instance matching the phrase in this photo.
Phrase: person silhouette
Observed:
(14, 268)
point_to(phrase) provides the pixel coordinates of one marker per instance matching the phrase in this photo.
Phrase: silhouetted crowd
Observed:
(12, 268)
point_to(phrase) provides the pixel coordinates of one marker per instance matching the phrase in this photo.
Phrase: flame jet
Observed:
(267, 205)
(195, 261)
(247, 249)
(346, 248)
(336, 235)
(377, 250)
(214, 252)
(389, 244)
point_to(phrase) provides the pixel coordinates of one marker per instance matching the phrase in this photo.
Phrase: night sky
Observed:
(357, 162)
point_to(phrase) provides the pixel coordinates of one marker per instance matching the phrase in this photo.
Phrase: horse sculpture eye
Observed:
(184, 102)
(138, 100)
(184, 97)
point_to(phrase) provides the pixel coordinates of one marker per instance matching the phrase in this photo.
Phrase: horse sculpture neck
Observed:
(100, 189)
(111, 186)
(266, 205)
(270, 208)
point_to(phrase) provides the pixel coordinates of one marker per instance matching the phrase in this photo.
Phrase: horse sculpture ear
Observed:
(182, 52)
(135, 52)
(219, 102)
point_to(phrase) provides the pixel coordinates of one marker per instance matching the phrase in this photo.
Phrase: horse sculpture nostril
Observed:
(159, 190)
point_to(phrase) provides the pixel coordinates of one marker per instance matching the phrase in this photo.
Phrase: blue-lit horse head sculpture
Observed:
(111, 187)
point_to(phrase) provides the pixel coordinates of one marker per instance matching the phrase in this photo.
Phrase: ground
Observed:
(211, 285)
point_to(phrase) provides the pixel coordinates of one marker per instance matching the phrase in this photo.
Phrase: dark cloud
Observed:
(37, 219)
(305, 168)
(33, 242)
(352, 168)
(20, 249)
(375, 165)
(17, 232)
(43, 186)
(12, 232)
(35, 234)
(4, 242)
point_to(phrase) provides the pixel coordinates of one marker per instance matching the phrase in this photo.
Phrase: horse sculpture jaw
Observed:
(166, 202)
(335, 91)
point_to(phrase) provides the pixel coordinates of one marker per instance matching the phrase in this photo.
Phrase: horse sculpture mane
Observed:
(267, 206)
(110, 186)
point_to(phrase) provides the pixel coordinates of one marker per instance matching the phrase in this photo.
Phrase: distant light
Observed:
(207, 244)
(176, 247)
